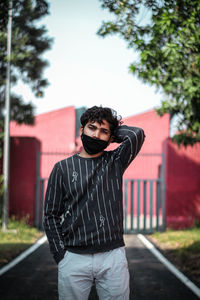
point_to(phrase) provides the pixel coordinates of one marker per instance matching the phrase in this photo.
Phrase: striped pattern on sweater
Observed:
(83, 210)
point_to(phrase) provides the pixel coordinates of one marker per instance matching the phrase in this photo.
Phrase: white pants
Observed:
(77, 272)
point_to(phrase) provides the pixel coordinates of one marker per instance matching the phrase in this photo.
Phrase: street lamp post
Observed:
(6, 152)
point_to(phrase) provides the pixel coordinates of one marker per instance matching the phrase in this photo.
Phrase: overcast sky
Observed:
(85, 69)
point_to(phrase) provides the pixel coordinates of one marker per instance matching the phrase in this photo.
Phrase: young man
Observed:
(83, 214)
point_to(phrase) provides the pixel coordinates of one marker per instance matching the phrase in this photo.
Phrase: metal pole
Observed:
(6, 153)
(37, 192)
(163, 193)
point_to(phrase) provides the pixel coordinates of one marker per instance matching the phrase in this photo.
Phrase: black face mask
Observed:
(91, 145)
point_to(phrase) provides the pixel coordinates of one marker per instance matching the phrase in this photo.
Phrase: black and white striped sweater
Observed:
(83, 210)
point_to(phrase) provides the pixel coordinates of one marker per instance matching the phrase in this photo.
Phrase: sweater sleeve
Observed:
(131, 139)
(53, 211)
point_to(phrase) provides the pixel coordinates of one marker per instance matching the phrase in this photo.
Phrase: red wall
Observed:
(55, 130)
(156, 130)
(182, 184)
(23, 152)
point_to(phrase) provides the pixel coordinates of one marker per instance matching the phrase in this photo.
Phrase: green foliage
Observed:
(168, 43)
(29, 42)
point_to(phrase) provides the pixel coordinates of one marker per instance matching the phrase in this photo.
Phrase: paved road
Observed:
(35, 278)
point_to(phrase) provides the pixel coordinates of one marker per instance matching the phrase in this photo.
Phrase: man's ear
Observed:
(81, 130)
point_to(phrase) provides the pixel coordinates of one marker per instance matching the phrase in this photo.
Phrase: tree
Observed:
(166, 35)
(29, 42)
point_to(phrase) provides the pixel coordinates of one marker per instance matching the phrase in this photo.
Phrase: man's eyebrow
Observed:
(102, 128)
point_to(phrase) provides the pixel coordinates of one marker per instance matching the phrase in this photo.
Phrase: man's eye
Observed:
(105, 131)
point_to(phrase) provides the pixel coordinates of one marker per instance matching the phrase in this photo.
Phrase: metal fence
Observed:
(143, 206)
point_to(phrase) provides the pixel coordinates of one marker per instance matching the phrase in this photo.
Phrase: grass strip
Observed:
(182, 248)
(18, 238)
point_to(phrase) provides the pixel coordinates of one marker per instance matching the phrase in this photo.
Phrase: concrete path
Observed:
(35, 278)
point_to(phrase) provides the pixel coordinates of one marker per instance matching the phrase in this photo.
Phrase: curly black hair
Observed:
(98, 114)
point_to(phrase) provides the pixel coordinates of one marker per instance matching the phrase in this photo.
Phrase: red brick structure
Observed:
(56, 131)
